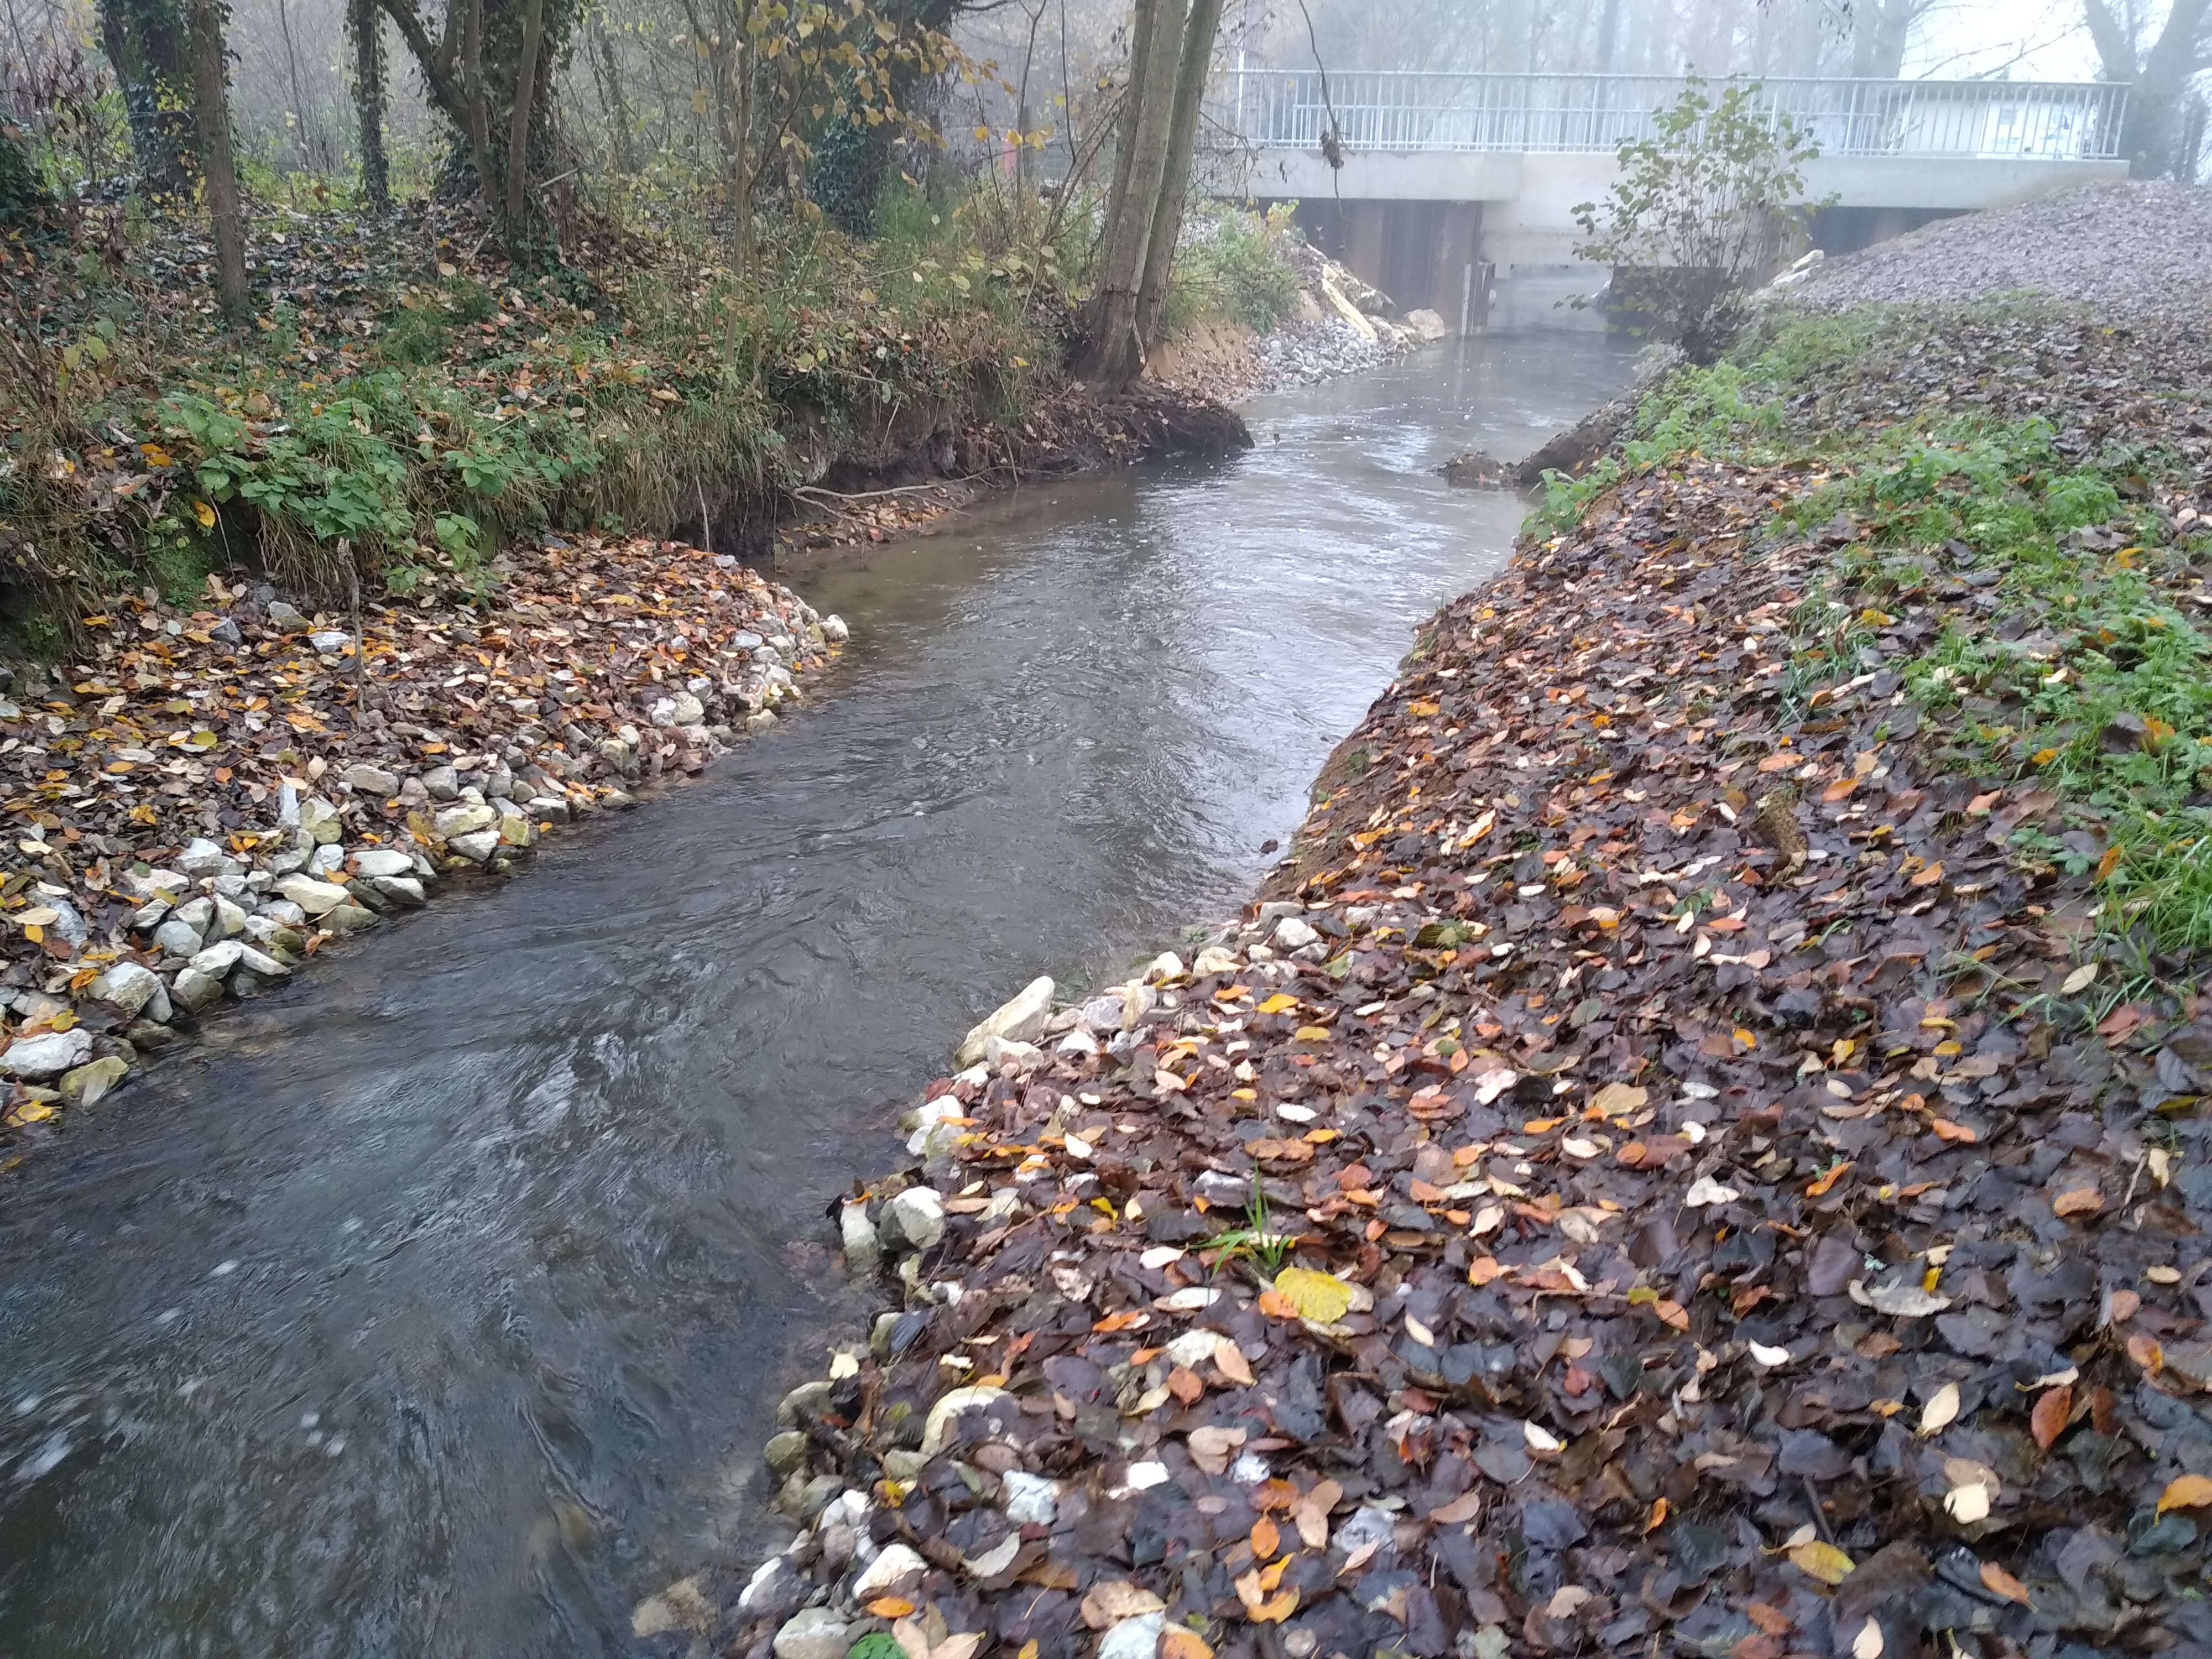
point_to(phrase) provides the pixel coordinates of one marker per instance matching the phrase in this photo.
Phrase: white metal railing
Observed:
(1420, 110)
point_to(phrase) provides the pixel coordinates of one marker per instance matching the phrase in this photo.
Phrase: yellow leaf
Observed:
(1822, 1561)
(1177, 1642)
(204, 514)
(1277, 1004)
(2187, 1492)
(1311, 1034)
(1321, 1297)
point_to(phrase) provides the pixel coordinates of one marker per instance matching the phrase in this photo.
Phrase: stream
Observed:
(438, 1303)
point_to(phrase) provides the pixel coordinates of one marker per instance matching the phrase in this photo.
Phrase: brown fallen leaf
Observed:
(1180, 1642)
(2048, 1420)
(1998, 1582)
(1108, 1604)
(1266, 1538)
(2078, 1200)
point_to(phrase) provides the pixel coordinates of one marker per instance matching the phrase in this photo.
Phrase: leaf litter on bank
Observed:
(1715, 1271)
(216, 791)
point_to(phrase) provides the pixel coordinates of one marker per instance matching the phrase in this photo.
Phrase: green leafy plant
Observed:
(1255, 1242)
(1700, 213)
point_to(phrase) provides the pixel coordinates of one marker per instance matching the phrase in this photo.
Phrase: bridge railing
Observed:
(1418, 110)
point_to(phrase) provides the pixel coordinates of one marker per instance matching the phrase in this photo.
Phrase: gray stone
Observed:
(365, 780)
(229, 919)
(478, 846)
(547, 809)
(785, 1452)
(89, 1084)
(349, 919)
(912, 1219)
(226, 632)
(516, 831)
(149, 1033)
(759, 720)
(262, 964)
(1030, 1499)
(775, 1591)
(127, 986)
(1133, 1638)
(1021, 1018)
(320, 819)
(832, 627)
(680, 709)
(202, 857)
(1292, 934)
(464, 820)
(195, 913)
(194, 991)
(806, 1401)
(330, 641)
(283, 911)
(863, 1250)
(314, 897)
(383, 861)
(442, 783)
(892, 1563)
(406, 892)
(812, 1633)
(283, 617)
(1101, 1014)
(176, 940)
(48, 1055)
(218, 959)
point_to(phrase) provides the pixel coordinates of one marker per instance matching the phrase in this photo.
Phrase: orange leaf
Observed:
(1820, 1188)
(1183, 1383)
(1120, 1321)
(1947, 1130)
(2186, 1492)
(1483, 1269)
(1929, 877)
(2048, 1420)
(1657, 1517)
(2080, 1200)
(2109, 863)
(1276, 1305)
(1267, 1538)
(1838, 790)
(1276, 1608)
(1229, 1360)
(1772, 1620)
(2146, 1353)
(1998, 1581)
(1180, 1642)
(891, 1607)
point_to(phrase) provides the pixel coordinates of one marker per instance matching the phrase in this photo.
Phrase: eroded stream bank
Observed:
(398, 1319)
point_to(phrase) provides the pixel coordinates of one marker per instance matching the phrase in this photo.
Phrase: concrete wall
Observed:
(1528, 201)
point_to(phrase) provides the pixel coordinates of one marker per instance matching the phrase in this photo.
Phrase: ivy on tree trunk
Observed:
(147, 43)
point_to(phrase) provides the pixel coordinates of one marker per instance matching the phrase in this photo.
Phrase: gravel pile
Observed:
(1322, 351)
(2136, 249)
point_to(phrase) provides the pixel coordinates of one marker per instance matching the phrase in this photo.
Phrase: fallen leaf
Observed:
(1998, 1582)
(1941, 1411)
(2078, 1200)
(2048, 1419)
(1322, 1297)
(1822, 1561)
(1180, 1642)
(1108, 1603)
(1867, 1643)
(2186, 1492)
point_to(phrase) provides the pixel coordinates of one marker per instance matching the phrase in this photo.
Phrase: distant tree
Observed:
(25, 202)
(148, 43)
(2156, 61)
(1700, 213)
(365, 29)
(218, 166)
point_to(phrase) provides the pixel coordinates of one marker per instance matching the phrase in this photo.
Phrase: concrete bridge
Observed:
(1447, 179)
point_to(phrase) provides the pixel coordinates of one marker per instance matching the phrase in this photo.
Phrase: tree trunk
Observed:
(365, 24)
(476, 116)
(1175, 181)
(148, 42)
(1115, 356)
(518, 119)
(619, 115)
(1133, 110)
(218, 168)
(2151, 133)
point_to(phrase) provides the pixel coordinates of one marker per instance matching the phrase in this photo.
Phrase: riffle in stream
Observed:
(438, 1304)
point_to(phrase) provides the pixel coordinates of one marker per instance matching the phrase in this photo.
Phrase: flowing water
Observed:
(437, 1305)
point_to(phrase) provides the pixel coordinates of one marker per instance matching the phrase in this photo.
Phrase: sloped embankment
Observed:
(1701, 1147)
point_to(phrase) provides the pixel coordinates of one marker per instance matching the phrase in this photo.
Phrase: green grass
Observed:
(1940, 497)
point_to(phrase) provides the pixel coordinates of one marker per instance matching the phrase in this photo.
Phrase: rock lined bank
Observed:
(211, 794)
(1651, 1175)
